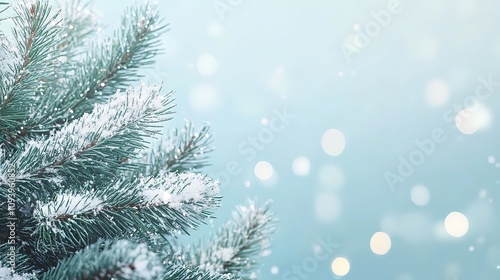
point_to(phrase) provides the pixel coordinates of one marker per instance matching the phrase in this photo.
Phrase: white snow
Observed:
(177, 189)
(236, 233)
(67, 204)
(106, 120)
(6, 274)
(143, 261)
(9, 55)
(226, 254)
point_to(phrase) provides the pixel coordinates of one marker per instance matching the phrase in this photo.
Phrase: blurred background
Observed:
(372, 125)
(320, 105)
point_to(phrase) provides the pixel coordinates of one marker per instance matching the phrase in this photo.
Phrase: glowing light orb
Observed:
(341, 266)
(420, 195)
(380, 243)
(437, 93)
(207, 64)
(263, 170)
(456, 224)
(301, 166)
(470, 120)
(333, 142)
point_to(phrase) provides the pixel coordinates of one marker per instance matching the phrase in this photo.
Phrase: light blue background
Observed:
(276, 54)
(272, 54)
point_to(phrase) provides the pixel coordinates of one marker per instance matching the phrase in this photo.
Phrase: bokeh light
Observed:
(380, 243)
(420, 195)
(341, 266)
(301, 166)
(207, 65)
(263, 170)
(456, 224)
(491, 159)
(437, 93)
(470, 120)
(333, 142)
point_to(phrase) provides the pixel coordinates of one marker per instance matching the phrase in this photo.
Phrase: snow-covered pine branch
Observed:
(170, 203)
(180, 150)
(96, 143)
(109, 65)
(6, 273)
(79, 23)
(119, 259)
(70, 172)
(23, 265)
(183, 272)
(30, 51)
(236, 247)
(78, 29)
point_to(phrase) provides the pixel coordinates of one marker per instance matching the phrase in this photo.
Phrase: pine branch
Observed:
(93, 146)
(181, 272)
(108, 66)
(23, 264)
(181, 150)
(85, 206)
(237, 246)
(79, 23)
(27, 64)
(169, 204)
(109, 260)
(77, 32)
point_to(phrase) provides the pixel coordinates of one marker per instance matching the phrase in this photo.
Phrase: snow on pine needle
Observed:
(9, 56)
(67, 205)
(182, 149)
(115, 129)
(6, 273)
(120, 259)
(169, 203)
(179, 189)
(237, 246)
(72, 145)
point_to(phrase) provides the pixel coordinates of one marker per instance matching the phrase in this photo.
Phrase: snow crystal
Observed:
(67, 204)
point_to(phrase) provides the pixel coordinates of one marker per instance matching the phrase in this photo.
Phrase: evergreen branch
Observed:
(23, 266)
(170, 203)
(181, 272)
(237, 246)
(109, 260)
(108, 66)
(85, 206)
(181, 150)
(92, 145)
(79, 25)
(27, 64)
